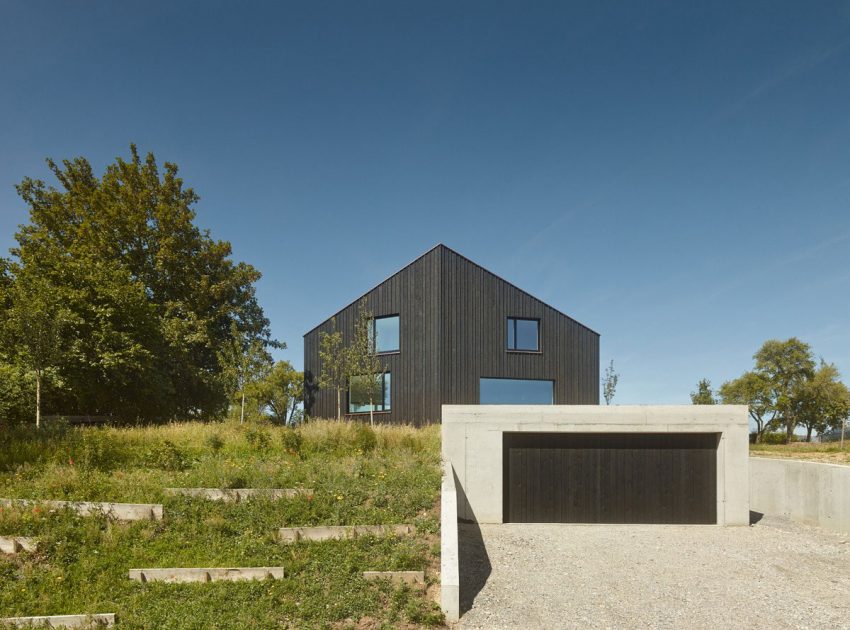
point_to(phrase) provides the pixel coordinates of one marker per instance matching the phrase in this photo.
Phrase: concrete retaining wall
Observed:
(118, 511)
(238, 494)
(449, 558)
(214, 574)
(339, 532)
(102, 620)
(806, 492)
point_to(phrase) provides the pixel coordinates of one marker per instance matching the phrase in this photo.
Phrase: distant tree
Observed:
(32, 329)
(365, 370)
(754, 390)
(279, 392)
(787, 366)
(244, 361)
(823, 402)
(333, 359)
(609, 383)
(703, 395)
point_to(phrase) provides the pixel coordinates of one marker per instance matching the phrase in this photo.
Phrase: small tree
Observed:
(823, 402)
(703, 395)
(365, 370)
(609, 383)
(786, 365)
(333, 358)
(33, 329)
(279, 392)
(244, 360)
(754, 390)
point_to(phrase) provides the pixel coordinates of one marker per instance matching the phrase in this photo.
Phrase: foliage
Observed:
(334, 364)
(279, 392)
(17, 394)
(786, 365)
(703, 395)
(823, 401)
(244, 361)
(363, 362)
(82, 562)
(609, 383)
(151, 296)
(752, 389)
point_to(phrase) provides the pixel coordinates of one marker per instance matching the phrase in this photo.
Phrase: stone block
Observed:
(101, 620)
(212, 574)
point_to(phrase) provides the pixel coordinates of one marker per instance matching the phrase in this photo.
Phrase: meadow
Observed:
(359, 475)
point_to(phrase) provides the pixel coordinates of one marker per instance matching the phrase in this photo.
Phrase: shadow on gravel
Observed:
(755, 517)
(473, 561)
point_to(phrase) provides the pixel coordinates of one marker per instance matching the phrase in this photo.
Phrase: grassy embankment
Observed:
(360, 476)
(827, 452)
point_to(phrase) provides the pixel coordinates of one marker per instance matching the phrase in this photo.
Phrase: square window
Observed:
(523, 334)
(359, 394)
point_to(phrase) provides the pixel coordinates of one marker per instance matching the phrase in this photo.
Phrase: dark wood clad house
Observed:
(451, 332)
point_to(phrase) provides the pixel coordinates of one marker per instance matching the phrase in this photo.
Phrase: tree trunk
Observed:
(789, 431)
(37, 399)
(843, 423)
(242, 411)
(338, 404)
(371, 412)
(808, 434)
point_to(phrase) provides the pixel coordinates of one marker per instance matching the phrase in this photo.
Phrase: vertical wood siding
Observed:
(452, 318)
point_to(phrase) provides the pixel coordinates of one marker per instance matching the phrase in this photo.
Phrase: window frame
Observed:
(375, 333)
(511, 378)
(384, 391)
(515, 319)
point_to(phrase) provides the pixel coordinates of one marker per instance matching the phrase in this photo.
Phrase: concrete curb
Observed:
(118, 511)
(16, 544)
(214, 574)
(339, 532)
(449, 558)
(238, 494)
(102, 620)
(413, 578)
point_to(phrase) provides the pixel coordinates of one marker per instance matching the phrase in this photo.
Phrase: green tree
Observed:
(365, 369)
(152, 295)
(787, 366)
(244, 361)
(34, 321)
(754, 390)
(823, 402)
(333, 359)
(703, 395)
(609, 383)
(280, 392)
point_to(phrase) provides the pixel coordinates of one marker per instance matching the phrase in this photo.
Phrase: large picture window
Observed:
(514, 391)
(523, 334)
(386, 333)
(358, 394)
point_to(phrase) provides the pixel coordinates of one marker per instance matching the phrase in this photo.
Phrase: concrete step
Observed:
(214, 574)
(118, 511)
(101, 620)
(338, 532)
(238, 494)
(16, 544)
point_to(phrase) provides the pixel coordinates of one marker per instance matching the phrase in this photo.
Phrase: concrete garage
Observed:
(595, 464)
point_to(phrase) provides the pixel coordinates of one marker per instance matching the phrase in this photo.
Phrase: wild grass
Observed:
(359, 476)
(828, 452)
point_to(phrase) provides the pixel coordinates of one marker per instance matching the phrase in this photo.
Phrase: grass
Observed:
(826, 452)
(360, 476)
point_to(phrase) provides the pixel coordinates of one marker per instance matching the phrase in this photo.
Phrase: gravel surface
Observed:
(774, 574)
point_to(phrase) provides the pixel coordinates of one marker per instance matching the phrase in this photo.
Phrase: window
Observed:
(386, 333)
(358, 394)
(511, 391)
(523, 334)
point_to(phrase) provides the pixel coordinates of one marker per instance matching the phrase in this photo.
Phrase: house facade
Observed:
(451, 332)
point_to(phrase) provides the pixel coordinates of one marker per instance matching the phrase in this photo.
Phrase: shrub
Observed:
(258, 440)
(364, 438)
(214, 442)
(775, 437)
(167, 456)
(292, 441)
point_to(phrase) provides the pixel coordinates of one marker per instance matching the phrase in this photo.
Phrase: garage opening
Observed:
(610, 477)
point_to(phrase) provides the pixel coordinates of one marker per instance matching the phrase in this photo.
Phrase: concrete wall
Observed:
(472, 443)
(449, 558)
(806, 492)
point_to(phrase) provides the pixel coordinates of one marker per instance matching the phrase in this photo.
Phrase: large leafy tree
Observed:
(152, 296)
(823, 402)
(279, 392)
(786, 366)
(754, 390)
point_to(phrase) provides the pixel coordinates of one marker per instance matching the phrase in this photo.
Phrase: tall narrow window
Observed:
(358, 394)
(523, 334)
(386, 333)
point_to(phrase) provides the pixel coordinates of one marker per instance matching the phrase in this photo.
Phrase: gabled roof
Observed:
(441, 246)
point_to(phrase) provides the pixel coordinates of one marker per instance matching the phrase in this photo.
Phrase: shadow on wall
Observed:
(474, 563)
(755, 517)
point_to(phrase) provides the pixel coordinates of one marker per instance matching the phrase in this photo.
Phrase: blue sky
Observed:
(676, 177)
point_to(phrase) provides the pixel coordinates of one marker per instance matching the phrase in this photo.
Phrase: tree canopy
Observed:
(152, 297)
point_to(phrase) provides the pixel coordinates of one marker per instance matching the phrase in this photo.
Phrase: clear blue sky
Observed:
(675, 177)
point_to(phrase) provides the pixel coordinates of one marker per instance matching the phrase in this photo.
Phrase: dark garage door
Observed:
(610, 477)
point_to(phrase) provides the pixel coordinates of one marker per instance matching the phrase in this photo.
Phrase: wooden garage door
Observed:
(610, 478)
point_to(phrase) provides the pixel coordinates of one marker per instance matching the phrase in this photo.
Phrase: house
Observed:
(451, 332)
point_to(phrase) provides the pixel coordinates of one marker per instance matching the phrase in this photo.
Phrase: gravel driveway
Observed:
(774, 574)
